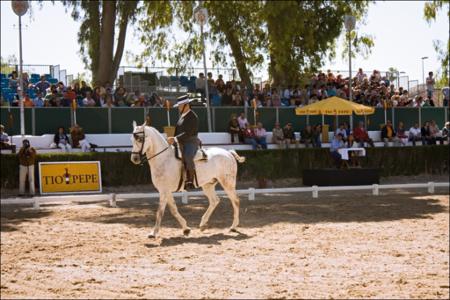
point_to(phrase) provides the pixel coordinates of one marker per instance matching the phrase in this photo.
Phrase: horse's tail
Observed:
(240, 159)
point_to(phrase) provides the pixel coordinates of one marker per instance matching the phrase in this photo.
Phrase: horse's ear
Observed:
(134, 124)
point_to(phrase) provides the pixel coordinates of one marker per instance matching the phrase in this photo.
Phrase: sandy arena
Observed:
(351, 245)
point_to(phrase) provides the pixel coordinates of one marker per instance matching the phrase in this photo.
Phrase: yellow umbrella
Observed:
(334, 106)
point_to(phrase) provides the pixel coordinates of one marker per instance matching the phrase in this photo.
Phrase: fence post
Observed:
(33, 121)
(110, 121)
(36, 204)
(375, 190)
(112, 200)
(315, 191)
(251, 194)
(184, 197)
(431, 187)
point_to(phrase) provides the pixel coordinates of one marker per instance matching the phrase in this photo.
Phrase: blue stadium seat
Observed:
(3, 75)
(192, 78)
(184, 80)
(5, 80)
(216, 100)
(34, 75)
(34, 80)
(7, 90)
(52, 80)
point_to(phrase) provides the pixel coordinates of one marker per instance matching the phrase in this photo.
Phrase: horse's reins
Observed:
(141, 139)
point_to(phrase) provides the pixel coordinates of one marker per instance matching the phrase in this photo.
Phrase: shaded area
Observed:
(282, 208)
(12, 217)
(214, 239)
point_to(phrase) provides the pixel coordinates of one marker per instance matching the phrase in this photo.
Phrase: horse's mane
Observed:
(156, 133)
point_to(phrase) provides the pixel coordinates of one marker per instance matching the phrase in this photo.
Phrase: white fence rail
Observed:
(251, 192)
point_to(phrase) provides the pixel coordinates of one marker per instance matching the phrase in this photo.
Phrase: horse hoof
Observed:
(233, 230)
(151, 236)
(186, 231)
(203, 228)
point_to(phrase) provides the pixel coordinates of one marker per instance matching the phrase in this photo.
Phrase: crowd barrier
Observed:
(40, 121)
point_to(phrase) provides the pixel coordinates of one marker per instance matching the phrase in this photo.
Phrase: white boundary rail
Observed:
(251, 192)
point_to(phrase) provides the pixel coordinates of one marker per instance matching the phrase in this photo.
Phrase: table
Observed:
(344, 152)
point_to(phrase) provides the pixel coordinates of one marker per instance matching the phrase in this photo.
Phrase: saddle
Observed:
(199, 156)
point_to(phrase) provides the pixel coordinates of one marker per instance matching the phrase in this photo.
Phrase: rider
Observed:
(186, 136)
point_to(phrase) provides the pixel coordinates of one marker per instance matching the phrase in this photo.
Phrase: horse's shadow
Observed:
(214, 239)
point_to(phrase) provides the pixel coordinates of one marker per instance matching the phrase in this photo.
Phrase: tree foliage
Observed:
(292, 37)
(430, 12)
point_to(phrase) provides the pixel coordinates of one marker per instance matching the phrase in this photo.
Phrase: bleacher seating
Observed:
(9, 95)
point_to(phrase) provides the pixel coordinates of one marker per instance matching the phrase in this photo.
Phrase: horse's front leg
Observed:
(173, 209)
(159, 215)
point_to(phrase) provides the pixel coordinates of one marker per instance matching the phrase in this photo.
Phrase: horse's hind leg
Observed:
(174, 211)
(230, 188)
(209, 190)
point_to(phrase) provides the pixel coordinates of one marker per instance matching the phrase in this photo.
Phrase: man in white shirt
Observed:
(88, 101)
(414, 134)
(260, 135)
(242, 120)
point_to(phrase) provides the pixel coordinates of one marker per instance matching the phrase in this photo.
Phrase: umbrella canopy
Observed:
(334, 106)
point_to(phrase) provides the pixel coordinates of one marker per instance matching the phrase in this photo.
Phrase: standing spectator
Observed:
(430, 85)
(289, 135)
(13, 81)
(5, 143)
(220, 84)
(27, 160)
(79, 138)
(233, 128)
(200, 84)
(317, 131)
(249, 136)
(42, 85)
(446, 93)
(237, 99)
(275, 100)
(61, 140)
(362, 136)
(388, 134)
(227, 97)
(401, 134)
(415, 134)
(260, 135)
(88, 101)
(425, 133)
(445, 132)
(99, 96)
(306, 136)
(335, 145)
(278, 135)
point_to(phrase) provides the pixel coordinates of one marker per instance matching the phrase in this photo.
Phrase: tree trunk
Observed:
(239, 58)
(106, 45)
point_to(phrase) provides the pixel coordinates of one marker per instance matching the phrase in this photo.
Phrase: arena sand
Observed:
(346, 245)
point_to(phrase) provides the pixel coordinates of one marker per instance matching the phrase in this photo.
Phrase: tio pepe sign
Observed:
(70, 177)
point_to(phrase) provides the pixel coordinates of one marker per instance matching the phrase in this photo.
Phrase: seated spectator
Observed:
(260, 135)
(27, 102)
(69, 96)
(88, 101)
(120, 97)
(227, 97)
(343, 131)
(401, 134)
(236, 99)
(249, 136)
(61, 140)
(317, 131)
(79, 139)
(108, 101)
(289, 135)
(335, 145)
(42, 85)
(362, 136)
(84, 89)
(5, 143)
(435, 133)
(278, 135)
(388, 134)
(39, 100)
(426, 135)
(415, 134)
(234, 129)
(445, 132)
(306, 136)
(53, 97)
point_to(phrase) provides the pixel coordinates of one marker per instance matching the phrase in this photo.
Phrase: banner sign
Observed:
(70, 177)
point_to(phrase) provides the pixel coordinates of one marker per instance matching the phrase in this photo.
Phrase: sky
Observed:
(401, 36)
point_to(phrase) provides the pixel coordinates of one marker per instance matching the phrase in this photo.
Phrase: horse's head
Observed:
(140, 143)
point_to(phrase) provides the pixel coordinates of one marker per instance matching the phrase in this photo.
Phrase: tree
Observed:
(431, 9)
(100, 47)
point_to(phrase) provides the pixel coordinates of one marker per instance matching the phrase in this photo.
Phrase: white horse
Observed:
(165, 169)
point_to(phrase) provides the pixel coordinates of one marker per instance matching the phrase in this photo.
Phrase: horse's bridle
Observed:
(141, 139)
